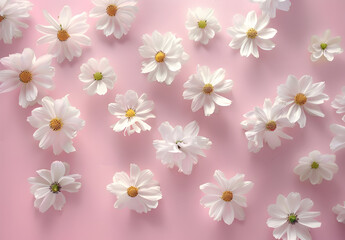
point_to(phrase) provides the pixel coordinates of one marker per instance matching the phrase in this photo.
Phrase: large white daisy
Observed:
(340, 211)
(339, 103)
(270, 6)
(338, 141)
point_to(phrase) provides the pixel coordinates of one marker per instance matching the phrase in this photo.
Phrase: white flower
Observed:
(300, 96)
(324, 47)
(138, 191)
(338, 141)
(339, 103)
(202, 25)
(226, 200)
(31, 75)
(65, 35)
(48, 186)
(115, 16)
(132, 112)
(266, 125)
(12, 12)
(57, 123)
(340, 211)
(316, 167)
(270, 6)
(180, 146)
(250, 33)
(203, 88)
(163, 55)
(97, 76)
(291, 218)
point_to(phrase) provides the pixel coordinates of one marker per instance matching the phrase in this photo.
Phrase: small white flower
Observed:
(266, 125)
(57, 123)
(203, 88)
(115, 16)
(250, 33)
(97, 76)
(340, 211)
(291, 218)
(180, 146)
(338, 141)
(48, 186)
(65, 35)
(132, 112)
(270, 6)
(324, 47)
(339, 103)
(138, 191)
(12, 12)
(300, 96)
(29, 74)
(226, 200)
(164, 56)
(316, 167)
(202, 25)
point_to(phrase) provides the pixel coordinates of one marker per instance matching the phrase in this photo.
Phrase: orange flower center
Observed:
(300, 99)
(132, 191)
(252, 33)
(271, 125)
(160, 56)
(111, 10)
(25, 76)
(130, 113)
(227, 196)
(63, 35)
(1, 18)
(208, 88)
(55, 124)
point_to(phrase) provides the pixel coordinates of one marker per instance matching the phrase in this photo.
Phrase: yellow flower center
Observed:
(300, 99)
(1, 18)
(55, 124)
(227, 196)
(132, 191)
(292, 218)
(208, 88)
(271, 125)
(323, 46)
(160, 56)
(130, 113)
(25, 76)
(314, 165)
(252, 33)
(111, 10)
(98, 76)
(62, 35)
(202, 24)
(55, 187)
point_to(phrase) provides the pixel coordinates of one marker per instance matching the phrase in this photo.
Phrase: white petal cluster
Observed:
(339, 103)
(340, 211)
(270, 6)
(338, 141)
(324, 46)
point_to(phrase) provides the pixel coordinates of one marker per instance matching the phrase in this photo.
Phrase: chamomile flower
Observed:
(164, 56)
(338, 141)
(202, 25)
(270, 6)
(132, 112)
(65, 35)
(204, 88)
(339, 103)
(29, 74)
(340, 211)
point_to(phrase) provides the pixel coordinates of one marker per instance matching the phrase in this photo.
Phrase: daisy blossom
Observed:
(138, 191)
(270, 6)
(302, 96)
(266, 125)
(291, 218)
(65, 35)
(164, 56)
(339, 103)
(57, 123)
(203, 88)
(250, 33)
(180, 146)
(12, 12)
(340, 211)
(48, 186)
(97, 76)
(338, 141)
(202, 25)
(115, 16)
(226, 200)
(324, 47)
(316, 167)
(132, 112)
(29, 74)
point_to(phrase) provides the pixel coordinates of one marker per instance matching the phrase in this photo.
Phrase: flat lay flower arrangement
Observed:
(185, 119)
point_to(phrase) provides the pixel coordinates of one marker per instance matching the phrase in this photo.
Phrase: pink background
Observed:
(101, 152)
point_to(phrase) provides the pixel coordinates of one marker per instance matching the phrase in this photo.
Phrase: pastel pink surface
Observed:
(101, 152)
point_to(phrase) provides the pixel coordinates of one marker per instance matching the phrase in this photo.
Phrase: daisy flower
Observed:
(291, 218)
(97, 76)
(164, 56)
(316, 167)
(65, 35)
(266, 125)
(180, 146)
(325, 46)
(338, 141)
(29, 74)
(57, 123)
(138, 191)
(132, 112)
(12, 12)
(226, 200)
(203, 88)
(270, 6)
(302, 96)
(340, 211)
(48, 186)
(339, 103)
(250, 33)
(115, 16)
(202, 25)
